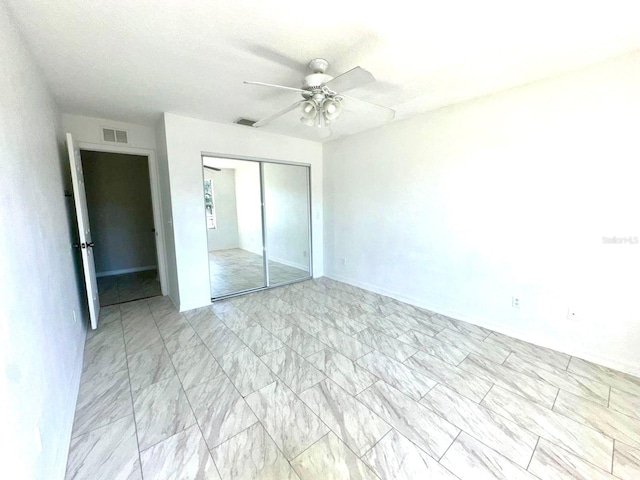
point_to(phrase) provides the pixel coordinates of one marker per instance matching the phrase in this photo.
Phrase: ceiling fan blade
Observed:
(371, 110)
(262, 84)
(266, 120)
(356, 77)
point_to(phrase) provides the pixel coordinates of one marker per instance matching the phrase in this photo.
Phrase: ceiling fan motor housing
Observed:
(317, 77)
(316, 80)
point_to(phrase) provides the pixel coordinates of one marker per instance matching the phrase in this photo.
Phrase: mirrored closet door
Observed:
(286, 194)
(233, 216)
(258, 224)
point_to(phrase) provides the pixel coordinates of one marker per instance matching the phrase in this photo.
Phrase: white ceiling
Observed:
(132, 60)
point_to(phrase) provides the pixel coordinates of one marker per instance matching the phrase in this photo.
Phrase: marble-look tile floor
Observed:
(234, 270)
(115, 289)
(322, 380)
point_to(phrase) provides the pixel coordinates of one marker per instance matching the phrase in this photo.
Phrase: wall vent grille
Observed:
(245, 121)
(112, 135)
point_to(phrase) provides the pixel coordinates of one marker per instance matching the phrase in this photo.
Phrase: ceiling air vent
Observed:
(245, 121)
(114, 136)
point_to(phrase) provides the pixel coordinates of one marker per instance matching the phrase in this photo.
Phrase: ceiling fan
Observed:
(323, 99)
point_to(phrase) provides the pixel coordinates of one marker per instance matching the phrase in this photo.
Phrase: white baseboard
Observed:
(185, 308)
(223, 248)
(126, 270)
(566, 347)
(290, 264)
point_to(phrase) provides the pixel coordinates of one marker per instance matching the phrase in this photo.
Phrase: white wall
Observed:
(287, 215)
(508, 195)
(167, 213)
(40, 344)
(186, 139)
(89, 130)
(248, 201)
(225, 235)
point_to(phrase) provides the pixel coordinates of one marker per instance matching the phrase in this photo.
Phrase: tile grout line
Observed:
(470, 434)
(424, 406)
(555, 399)
(280, 379)
(133, 410)
(485, 395)
(429, 391)
(353, 396)
(76, 411)
(613, 455)
(533, 452)
(243, 400)
(340, 440)
(454, 441)
(460, 362)
(548, 438)
(297, 395)
(392, 429)
(187, 397)
(223, 373)
(266, 431)
(566, 368)
(507, 358)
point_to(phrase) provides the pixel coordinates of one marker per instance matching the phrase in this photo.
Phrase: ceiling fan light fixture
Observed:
(322, 101)
(309, 109)
(331, 109)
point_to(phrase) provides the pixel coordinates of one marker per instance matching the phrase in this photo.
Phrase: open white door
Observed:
(82, 215)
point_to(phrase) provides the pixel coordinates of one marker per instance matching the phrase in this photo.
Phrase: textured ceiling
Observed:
(132, 60)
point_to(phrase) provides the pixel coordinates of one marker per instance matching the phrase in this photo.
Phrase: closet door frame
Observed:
(265, 250)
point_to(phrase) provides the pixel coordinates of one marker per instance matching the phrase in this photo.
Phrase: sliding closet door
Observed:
(287, 222)
(233, 211)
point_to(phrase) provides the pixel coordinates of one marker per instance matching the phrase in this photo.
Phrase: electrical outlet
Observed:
(304, 254)
(572, 315)
(343, 261)
(515, 302)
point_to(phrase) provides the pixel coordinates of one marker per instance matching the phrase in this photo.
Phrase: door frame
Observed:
(154, 181)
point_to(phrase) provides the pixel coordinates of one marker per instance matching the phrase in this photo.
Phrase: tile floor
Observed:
(127, 287)
(234, 270)
(322, 380)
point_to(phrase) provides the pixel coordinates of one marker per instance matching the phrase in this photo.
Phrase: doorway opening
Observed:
(120, 207)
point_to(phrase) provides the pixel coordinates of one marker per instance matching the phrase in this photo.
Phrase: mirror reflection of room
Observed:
(234, 225)
(237, 225)
(286, 221)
